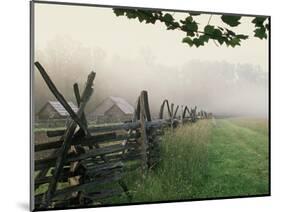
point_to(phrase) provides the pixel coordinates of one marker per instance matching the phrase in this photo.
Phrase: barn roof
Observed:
(60, 109)
(123, 105)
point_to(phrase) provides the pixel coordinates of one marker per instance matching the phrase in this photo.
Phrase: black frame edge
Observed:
(32, 19)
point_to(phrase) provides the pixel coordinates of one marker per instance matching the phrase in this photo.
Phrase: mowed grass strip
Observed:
(205, 161)
(238, 161)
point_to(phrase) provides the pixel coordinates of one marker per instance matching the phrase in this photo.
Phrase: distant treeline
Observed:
(220, 87)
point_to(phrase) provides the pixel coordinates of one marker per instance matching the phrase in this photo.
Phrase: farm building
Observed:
(54, 110)
(113, 109)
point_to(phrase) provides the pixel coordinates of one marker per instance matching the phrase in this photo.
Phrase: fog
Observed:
(216, 86)
(128, 57)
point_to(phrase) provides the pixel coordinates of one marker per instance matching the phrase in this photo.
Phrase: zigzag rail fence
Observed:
(94, 160)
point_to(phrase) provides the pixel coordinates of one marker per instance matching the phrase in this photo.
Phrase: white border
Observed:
(14, 48)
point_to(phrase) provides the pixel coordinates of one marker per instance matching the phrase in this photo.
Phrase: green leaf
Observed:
(234, 42)
(231, 20)
(198, 42)
(267, 26)
(243, 37)
(190, 33)
(258, 21)
(204, 38)
(173, 26)
(142, 15)
(151, 20)
(194, 38)
(260, 33)
(119, 12)
(188, 40)
(221, 40)
(217, 33)
(188, 19)
(230, 32)
(131, 14)
(191, 26)
(212, 32)
(168, 17)
(209, 29)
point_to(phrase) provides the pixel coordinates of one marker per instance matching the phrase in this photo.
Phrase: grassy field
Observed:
(204, 160)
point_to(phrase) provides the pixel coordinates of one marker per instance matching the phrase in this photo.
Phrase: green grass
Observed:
(256, 124)
(238, 160)
(205, 161)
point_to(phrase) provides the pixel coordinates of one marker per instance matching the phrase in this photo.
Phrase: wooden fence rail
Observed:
(90, 157)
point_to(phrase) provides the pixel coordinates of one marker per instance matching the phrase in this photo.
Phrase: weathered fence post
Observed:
(181, 116)
(172, 115)
(161, 113)
(174, 124)
(144, 138)
(76, 161)
(69, 132)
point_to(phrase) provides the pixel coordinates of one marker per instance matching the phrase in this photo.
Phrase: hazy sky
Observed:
(99, 27)
(129, 56)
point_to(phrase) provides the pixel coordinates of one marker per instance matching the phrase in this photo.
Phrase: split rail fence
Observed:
(92, 161)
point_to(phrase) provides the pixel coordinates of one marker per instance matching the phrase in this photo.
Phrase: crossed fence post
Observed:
(142, 114)
(171, 112)
(77, 119)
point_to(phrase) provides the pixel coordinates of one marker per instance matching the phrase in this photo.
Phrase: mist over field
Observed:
(220, 87)
(129, 57)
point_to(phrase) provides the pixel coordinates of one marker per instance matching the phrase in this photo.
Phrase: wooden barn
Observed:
(113, 109)
(54, 110)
